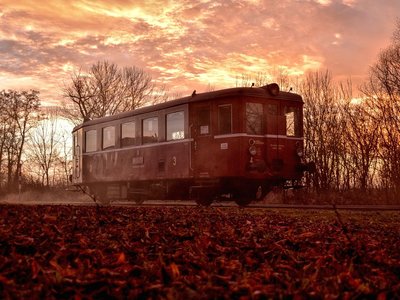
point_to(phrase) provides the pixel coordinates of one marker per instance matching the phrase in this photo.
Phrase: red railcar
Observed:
(233, 143)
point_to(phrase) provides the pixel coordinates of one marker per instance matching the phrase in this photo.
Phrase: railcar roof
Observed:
(261, 92)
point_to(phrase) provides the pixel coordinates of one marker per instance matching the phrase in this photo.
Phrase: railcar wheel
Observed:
(243, 201)
(204, 201)
(101, 199)
(256, 194)
(204, 196)
(139, 200)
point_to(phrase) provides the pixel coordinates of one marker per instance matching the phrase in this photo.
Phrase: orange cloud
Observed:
(189, 44)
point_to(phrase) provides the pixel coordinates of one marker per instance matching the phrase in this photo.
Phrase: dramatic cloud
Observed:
(190, 44)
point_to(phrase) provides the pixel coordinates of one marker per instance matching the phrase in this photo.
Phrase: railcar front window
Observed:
(292, 115)
(91, 141)
(175, 126)
(254, 118)
(108, 137)
(150, 130)
(225, 119)
(128, 134)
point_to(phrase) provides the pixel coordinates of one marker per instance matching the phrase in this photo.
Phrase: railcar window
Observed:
(204, 120)
(150, 130)
(254, 118)
(91, 141)
(292, 115)
(128, 134)
(108, 137)
(175, 126)
(225, 119)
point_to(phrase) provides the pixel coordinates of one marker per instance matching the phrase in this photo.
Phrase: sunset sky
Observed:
(190, 44)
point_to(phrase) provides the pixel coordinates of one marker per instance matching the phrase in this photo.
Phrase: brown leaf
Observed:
(121, 258)
(35, 269)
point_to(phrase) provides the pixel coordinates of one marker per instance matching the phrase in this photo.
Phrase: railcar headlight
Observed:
(299, 152)
(253, 150)
(299, 149)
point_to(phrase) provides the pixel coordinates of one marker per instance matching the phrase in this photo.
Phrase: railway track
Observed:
(221, 204)
(185, 203)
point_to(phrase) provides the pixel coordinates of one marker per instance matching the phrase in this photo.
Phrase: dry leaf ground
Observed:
(79, 252)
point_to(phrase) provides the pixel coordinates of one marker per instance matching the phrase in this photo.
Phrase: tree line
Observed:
(355, 142)
(35, 147)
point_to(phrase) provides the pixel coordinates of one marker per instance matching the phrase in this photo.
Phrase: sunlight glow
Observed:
(324, 2)
(271, 23)
(357, 100)
(157, 17)
(311, 63)
(338, 38)
(66, 42)
(68, 67)
(350, 3)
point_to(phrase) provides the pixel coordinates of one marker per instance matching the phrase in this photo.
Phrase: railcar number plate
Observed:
(137, 160)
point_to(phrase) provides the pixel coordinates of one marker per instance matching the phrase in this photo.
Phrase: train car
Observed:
(232, 144)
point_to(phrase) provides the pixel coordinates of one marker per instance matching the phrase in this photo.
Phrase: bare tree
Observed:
(383, 93)
(138, 88)
(82, 97)
(48, 153)
(43, 149)
(361, 135)
(280, 76)
(65, 158)
(19, 108)
(4, 133)
(106, 90)
(248, 80)
(323, 128)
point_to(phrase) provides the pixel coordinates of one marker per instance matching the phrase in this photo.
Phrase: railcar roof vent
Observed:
(272, 88)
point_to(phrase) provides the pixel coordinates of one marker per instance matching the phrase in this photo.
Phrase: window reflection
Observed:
(128, 134)
(254, 118)
(292, 115)
(91, 141)
(175, 126)
(150, 130)
(108, 137)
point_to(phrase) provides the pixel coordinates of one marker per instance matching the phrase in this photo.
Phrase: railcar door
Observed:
(274, 132)
(77, 157)
(201, 158)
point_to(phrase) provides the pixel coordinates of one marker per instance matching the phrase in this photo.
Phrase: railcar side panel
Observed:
(162, 161)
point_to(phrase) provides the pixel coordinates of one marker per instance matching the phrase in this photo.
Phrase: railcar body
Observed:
(233, 143)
